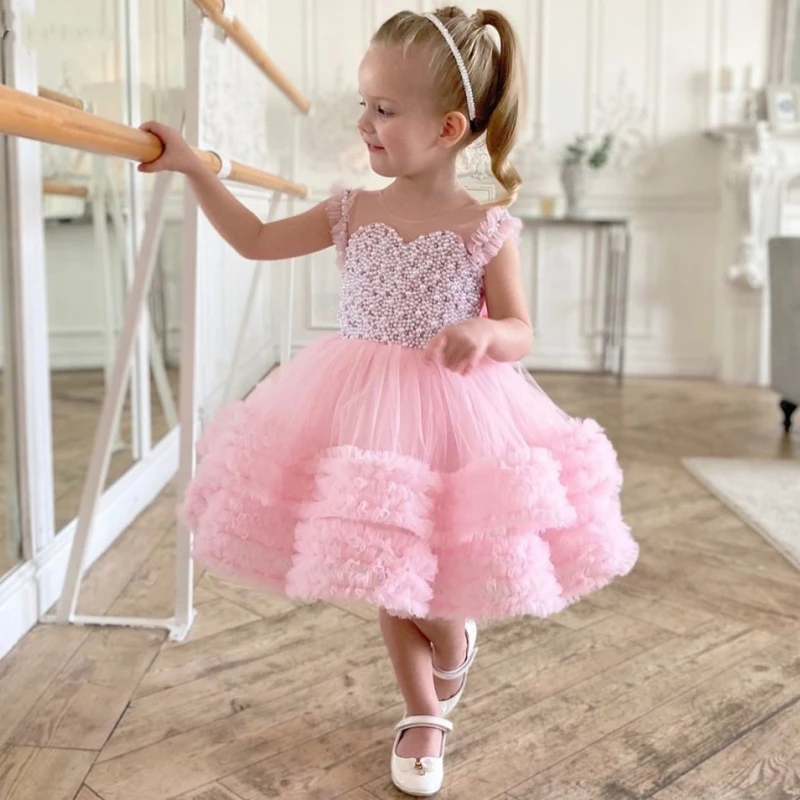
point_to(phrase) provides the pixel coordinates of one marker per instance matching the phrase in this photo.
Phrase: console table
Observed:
(616, 236)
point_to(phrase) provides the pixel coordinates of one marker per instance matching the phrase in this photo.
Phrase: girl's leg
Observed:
(410, 653)
(449, 642)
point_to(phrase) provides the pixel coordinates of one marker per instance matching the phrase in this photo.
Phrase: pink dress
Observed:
(364, 471)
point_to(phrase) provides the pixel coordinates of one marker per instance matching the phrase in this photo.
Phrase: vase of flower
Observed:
(575, 179)
(582, 159)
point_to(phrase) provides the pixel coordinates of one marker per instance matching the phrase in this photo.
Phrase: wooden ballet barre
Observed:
(216, 11)
(64, 99)
(64, 189)
(31, 117)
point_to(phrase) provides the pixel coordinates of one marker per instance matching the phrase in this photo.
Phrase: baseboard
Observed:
(18, 608)
(33, 588)
(641, 365)
(566, 361)
(636, 366)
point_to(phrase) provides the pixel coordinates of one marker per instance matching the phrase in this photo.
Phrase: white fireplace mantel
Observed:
(760, 162)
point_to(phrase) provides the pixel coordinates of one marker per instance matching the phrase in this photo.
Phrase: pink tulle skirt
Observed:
(363, 471)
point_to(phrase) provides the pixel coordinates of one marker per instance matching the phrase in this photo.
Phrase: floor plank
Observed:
(87, 794)
(32, 773)
(764, 763)
(246, 643)
(28, 670)
(212, 792)
(215, 616)
(83, 704)
(263, 604)
(641, 757)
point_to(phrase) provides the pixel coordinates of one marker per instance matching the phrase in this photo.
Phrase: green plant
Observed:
(583, 151)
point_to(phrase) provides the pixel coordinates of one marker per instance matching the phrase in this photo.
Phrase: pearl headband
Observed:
(462, 68)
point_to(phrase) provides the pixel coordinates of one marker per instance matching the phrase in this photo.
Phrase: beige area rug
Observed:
(765, 494)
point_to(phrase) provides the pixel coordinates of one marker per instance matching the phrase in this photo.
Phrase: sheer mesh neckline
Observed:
(428, 220)
(367, 207)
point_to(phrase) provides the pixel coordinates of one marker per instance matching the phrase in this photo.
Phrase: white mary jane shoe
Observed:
(420, 777)
(446, 706)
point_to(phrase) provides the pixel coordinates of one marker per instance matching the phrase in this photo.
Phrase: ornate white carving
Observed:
(74, 48)
(235, 93)
(634, 150)
(474, 162)
(91, 23)
(752, 165)
(531, 156)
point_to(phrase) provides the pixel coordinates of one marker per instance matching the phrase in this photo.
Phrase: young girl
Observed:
(406, 462)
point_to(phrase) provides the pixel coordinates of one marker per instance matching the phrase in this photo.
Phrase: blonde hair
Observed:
(495, 75)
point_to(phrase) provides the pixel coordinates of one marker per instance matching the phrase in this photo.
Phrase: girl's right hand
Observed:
(178, 156)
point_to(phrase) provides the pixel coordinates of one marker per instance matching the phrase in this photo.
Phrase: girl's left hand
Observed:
(463, 346)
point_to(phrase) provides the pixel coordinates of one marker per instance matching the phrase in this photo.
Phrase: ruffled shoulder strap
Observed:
(339, 206)
(497, 227)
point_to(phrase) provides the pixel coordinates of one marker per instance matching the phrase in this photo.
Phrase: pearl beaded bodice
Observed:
(405, 292)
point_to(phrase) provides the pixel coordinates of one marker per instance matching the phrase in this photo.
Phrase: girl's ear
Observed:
(454, 127)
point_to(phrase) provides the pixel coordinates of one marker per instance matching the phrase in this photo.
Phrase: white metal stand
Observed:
(156, 359)
(184, 567)
(112, 405)
(97, 198)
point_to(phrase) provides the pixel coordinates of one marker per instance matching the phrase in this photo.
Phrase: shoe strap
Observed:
(452, 674)
(423, 721)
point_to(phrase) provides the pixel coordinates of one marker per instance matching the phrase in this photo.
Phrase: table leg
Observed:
(614, 282)
(623, 312)
(607, 311)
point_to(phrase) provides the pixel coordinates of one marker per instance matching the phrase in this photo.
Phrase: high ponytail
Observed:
(502, 129)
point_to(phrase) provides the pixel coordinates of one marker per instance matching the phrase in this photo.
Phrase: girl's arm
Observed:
(505, 336)
(240, 227)
(512, 333)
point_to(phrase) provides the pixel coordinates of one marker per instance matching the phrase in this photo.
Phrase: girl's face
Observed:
(400, 124)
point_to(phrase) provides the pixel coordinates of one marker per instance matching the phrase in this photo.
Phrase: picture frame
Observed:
(783, 105)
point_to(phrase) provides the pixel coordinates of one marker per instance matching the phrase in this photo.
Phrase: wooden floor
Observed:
(680, 682)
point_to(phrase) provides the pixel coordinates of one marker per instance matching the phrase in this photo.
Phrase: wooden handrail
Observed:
(31, 117)
(64, 188)
(214, 10)
(57, 97)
